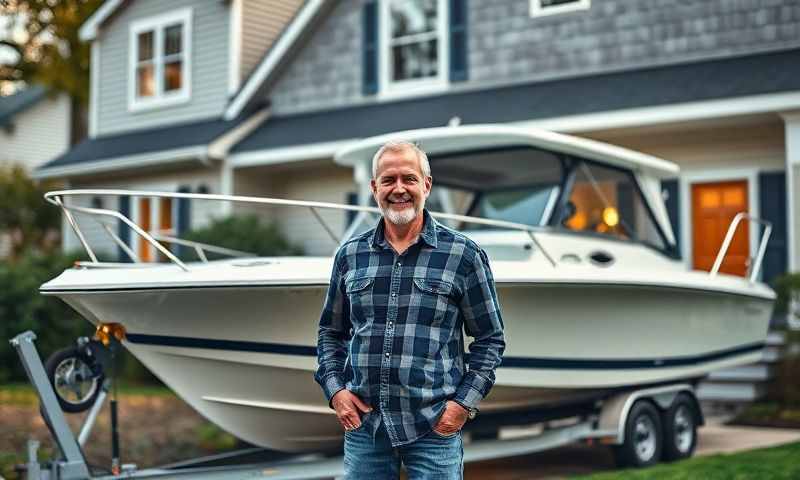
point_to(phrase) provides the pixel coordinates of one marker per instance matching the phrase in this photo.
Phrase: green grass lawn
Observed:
(774, 463)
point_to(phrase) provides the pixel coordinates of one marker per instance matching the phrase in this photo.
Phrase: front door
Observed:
(713, 207)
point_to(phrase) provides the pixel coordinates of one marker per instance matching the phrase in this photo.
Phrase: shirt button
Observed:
(391, 323)
(387, 354)
(399, 264)
(394, 294)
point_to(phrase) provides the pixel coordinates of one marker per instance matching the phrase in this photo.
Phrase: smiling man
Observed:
(391, 347)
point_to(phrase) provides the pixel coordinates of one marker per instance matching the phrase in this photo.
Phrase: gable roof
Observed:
(256, 83)
(91, 26)
(18, 102)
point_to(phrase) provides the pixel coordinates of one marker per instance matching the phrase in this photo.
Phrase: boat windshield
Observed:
(518, 185)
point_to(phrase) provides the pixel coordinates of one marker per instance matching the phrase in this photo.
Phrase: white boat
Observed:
(594, 298)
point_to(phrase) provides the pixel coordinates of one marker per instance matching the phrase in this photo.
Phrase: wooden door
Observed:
(165, 223)
(144, 213)
(713, 207)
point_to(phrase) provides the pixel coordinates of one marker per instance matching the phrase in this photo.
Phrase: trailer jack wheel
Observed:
(643, 437)
(680, 429)
(76, 376)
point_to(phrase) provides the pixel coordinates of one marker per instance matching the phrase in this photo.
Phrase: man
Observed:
(390, 347)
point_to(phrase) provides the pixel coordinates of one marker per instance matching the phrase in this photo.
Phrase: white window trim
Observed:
(235, 47)
(537, 10)
(388, 90)
(157, 24)
(94, 89)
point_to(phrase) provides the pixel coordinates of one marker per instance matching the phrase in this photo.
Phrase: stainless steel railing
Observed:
(57, 198)
(726, 243)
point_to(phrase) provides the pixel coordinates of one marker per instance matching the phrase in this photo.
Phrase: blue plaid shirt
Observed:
(390, 330)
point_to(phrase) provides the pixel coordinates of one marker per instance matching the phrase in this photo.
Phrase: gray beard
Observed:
(403, 217)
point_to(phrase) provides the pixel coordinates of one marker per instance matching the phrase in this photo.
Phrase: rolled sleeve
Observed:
(483, 322)
(332, 336)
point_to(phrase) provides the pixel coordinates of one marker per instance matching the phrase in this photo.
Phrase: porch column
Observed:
(792, 126)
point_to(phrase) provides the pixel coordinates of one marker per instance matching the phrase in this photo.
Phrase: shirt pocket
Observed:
(436, 299)
(359, 294)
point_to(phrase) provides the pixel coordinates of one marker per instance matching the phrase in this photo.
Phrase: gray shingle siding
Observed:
(506, 45)
(209, 77)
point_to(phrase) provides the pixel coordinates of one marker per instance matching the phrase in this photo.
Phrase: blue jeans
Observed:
(432, 456)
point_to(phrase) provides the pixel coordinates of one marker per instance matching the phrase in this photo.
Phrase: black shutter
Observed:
(458, 40)
(370, 59)
(772, 200)
(672, 201)
(123, 230)
(183, 223)
(352, 199)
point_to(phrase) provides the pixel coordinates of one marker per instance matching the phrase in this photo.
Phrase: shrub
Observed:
(246, 233)
(23, 308)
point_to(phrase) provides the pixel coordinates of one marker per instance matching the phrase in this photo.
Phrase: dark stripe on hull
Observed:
(508, 362)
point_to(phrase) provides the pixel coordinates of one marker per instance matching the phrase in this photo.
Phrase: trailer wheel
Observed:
(680, 429)
(74, 381)
(643, 437)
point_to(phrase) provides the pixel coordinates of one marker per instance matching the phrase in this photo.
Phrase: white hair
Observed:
(399, 146)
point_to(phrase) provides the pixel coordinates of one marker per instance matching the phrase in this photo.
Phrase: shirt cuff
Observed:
(472, 389)
(331, 386)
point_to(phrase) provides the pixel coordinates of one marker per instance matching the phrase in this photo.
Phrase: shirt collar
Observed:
(427, 235)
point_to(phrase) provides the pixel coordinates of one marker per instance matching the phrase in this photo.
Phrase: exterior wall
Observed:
(262, 23)
(96, 236)
(505, 45)
(39, 134)
(697, 148)
(209, 67)
(323, 182)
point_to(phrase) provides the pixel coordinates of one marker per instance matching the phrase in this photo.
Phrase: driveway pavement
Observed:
(582, 460)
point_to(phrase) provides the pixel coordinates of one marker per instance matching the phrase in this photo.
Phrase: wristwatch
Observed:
(471, 412)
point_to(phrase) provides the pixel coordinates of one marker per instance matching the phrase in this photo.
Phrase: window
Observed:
(414, 45)
(608, 201)
(160, 60)
(550, 7)
(517, 184)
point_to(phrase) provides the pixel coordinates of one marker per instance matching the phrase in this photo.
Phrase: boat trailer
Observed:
(643, 426)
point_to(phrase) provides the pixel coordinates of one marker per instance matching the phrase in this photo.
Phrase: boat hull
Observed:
(244, 356)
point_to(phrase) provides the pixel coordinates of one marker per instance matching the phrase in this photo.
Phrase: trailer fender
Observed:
(614, 411)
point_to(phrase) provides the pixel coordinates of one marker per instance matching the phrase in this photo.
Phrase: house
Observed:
(34, 127)
(197, 95)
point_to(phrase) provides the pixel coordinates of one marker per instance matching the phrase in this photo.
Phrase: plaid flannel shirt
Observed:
(391, 328)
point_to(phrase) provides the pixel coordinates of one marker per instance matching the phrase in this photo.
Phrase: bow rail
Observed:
(155, 238)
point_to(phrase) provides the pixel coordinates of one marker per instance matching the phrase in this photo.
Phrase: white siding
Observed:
(325, 183)
(696, 147)
(39, 134)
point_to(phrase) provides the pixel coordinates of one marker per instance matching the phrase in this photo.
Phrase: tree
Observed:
(41, 38)
(31, 222)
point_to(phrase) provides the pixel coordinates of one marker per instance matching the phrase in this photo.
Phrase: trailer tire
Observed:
(643, 437)
(680, 428)
(70, 371)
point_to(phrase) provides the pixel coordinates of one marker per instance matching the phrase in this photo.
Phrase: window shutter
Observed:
(123, 230)
(672, 202)
(370, 59)
(183, 223)
(458, 40)
(772, 200)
